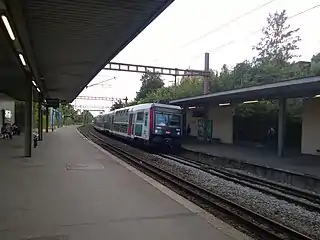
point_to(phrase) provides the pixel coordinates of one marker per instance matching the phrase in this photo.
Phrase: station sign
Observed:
(54, 103)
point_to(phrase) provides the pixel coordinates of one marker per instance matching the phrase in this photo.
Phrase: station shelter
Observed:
(211, 116)
(51, 50)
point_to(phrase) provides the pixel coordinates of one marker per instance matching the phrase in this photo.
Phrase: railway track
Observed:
(262, 226)
(308, 200)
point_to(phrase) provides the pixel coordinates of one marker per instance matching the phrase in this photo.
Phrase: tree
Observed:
(315, 64)
(243, 74)
(70, 115)
(276, 51)
(189, 87)
(117, 104)
(150, 82)
(225, 80)
(279, 43)
(86, 117)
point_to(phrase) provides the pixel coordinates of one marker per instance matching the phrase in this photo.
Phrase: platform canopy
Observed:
(302, 87)
(67, 42)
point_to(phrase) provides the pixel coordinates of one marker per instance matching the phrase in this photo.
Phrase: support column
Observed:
(52, 118)
(2, 113)
(57, 118)
(206, 78)
(60, 120)
(206, 121)
(281, 125)
(184, 121)
(28, 119)
(41, 124)
(40, 118)
(47, 119)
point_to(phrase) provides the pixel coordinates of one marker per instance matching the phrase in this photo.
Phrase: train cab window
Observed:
(140, 116)
(167, 119)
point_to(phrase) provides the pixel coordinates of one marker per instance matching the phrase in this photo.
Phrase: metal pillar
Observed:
(206, 78)
(28, 119)
(52, 117)
(205, 119)
(47, 119)
(58, 119)
(40, 118)
(41, 124)
(184, 121)
(281, 125)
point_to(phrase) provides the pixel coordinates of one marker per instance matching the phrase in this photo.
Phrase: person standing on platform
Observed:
(9, 130)
(271, 136)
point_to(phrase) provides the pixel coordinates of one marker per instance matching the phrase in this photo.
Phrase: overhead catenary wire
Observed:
(215, 49)
(98, 83)
(224, 25)
(227, 23)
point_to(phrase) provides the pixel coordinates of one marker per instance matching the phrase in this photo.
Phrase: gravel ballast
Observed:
(289, 214)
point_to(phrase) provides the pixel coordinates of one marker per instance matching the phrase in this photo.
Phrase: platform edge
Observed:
(218, 224)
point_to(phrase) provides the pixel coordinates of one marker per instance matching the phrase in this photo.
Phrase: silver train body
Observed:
(150, 124)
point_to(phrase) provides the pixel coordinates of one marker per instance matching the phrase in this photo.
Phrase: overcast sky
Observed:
(180, 36)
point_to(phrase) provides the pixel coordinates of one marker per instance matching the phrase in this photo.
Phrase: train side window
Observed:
(140, 116)
(146, 119)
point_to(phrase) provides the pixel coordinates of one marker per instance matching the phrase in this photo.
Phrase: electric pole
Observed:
(125, 100)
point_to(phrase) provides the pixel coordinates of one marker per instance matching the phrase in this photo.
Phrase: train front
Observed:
(167, 127)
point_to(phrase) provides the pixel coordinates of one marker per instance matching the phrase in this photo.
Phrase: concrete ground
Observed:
(261, 156)
(51, 195)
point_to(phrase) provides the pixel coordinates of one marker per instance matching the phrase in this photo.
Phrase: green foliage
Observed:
(259, 108)
(132, 103)
(70, 115)
(188, 87)
(86, 117)
(279, 42)
(117, 104)
(150, 82)
(275, 52)
(315, 64)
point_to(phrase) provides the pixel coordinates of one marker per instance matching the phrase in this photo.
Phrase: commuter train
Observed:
(152, 124)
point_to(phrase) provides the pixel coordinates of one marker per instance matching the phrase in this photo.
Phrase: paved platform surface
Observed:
(260, 156)
(41, 197)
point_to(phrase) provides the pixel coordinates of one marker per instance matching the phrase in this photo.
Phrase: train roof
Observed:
(149, 105)
(144, 106)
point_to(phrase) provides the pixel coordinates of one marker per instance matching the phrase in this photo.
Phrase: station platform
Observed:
(292, 161)
(53, 196)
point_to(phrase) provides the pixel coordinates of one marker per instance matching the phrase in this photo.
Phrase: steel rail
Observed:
(261, 225)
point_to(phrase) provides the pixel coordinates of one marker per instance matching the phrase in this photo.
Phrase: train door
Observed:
(130, 126)
(145, 133)
(134, 116)
(112, 121)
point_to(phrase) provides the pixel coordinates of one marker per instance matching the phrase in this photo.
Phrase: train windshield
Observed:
(168, 119)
